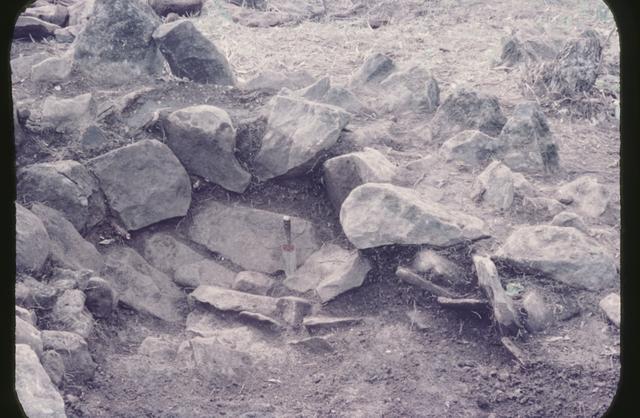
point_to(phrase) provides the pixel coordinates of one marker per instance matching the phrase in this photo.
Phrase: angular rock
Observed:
(78, 363)
(539, 315)
(68, 248)
(253, 282)
(67, 35)
(438, 268)
(276, 80)
(374, 69)
(574, 70)
(261, 320)
(158, 348)
(563, 254)
(234, 301)
(33, 245)
(93, 139)
(216, 358)
(116, 44)
(318, 323)
(321, 91)
(52, 70)
(27, 315)
(192, 55)
(204, 272)
(144, 183)
(413, 89)
(471, 147)
(331, 271)
(70, 314)
(316, 345)
(68, 115)
(204, 140)
(516, 51)
(33, 294)
(467, 110)
(540, 208)
(22, 64)
(52, 13)
(344, 173)
(226, 229)
(37, 395)
(293, 309)
(526, 141)
(586, 195)
(570, 219)
(166, 253)
(66, 186)
(141, 286)
(29, 335)
(180, 7)
(28, 27)
(54, 366)
(610, 305)
(297, 132)
(376, 214)
(101, 298)
(498, 186)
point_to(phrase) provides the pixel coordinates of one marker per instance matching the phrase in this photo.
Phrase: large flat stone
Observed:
(36, 393)
(226, 229)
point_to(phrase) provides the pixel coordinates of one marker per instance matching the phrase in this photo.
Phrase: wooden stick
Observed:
(503, 310)
(515, 351)
(463, 303)
(410, 277)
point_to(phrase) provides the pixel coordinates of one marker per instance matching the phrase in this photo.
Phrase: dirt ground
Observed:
(386, 366)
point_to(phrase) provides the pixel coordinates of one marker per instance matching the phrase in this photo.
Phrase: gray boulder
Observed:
(28, 334)
(330, 271)
(297, 132)
(516, 51)
(54, 366)
(253, 282)
(526, 141)
(52, 13)
(27, 315)
(204, 272)
(574, 70)
(141, 286)
(276, 80)
(374, 69)
(563, 254)
(37, 395)
(33, 245)
(66, 186)
(204, 140)
(67, 35)
(78, 363)
(570, 219)
(610, 305)
(192, 55)
(101, 298)
(413, 90)
(143, 183)
(377, 214)
(28, 27)
(70, 314)
(234, 301)
(470, 147)
(465, 109)
(346, 172)
(226, 229)
(498, 186)
(538, 209)
(68, 248)
(180, 7)
(33, 294)
(585, 195)
(52, 70)
(166, 253)
(116, 44)
(322, 92)
(68, 115)
(539, 315)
